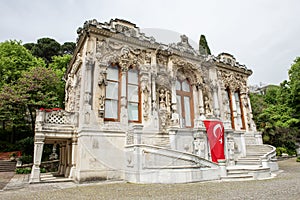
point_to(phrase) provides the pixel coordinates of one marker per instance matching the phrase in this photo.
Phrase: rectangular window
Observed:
(184, 98)
(112, 94)
(187, 110)
(133, 95)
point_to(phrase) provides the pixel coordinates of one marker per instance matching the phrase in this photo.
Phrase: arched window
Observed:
(184, 97)
(239, 121)
(239, 109)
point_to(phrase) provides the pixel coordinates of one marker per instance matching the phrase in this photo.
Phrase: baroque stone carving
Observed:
(145, 87)
(184, 46)
(232, 80)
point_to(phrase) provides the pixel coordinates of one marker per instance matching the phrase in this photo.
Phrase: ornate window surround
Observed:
(119, 94)
(117, 119)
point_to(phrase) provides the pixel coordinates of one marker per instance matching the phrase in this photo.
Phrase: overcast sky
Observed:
(262, 34)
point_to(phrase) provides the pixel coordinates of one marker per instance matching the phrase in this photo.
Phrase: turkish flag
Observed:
(215, 135)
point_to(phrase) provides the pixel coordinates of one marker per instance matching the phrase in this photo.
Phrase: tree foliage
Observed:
(14, 59)
(276, 113)
(59, 65)
(47, 48)
(28, 83)
(203, 46)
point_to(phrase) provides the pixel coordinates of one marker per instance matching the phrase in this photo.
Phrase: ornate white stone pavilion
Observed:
(134, 111)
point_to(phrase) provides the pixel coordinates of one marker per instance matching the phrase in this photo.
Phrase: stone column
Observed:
(145, 97)
(195, 101)
(68, 158)
(102, 82)
(154, 103)
(123, 111)
(244, 98)
(60, 160)
(234, 111)
(38, 151)
(89, 62)
(216, 101)
(63, 159)
(175, 115)
(200, 101)
(74, 154)
(88, 83)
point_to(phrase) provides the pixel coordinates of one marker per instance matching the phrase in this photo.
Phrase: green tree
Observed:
(294, 84)
(68, 48)
(203, 46)
(276, 114)
(59, 65)
(46, 48)
(14, 59)
(35, 89)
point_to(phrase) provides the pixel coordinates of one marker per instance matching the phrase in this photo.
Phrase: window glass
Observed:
(112, 90)
(178, 85)
(112, 73)
(187, 109)
(133, 111)
(179, 105)
(133, 76)
(237, 100)
(133, 93)
(111, 109)
(185, 86)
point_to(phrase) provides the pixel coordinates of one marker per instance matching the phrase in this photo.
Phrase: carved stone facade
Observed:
(131, 98)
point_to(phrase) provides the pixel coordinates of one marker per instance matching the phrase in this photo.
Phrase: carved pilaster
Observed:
(74, 156)
(145, 88)
(102, 83)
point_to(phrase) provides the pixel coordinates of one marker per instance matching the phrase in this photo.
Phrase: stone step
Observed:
(237, 177)
(249, 159)
(49, 178)
(248, 162)
(7, 166)
(254, 154)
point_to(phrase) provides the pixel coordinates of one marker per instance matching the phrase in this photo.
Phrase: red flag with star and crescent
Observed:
(215, 135)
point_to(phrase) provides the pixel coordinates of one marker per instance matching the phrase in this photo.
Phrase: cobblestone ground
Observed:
(285, 186)
(4, 178)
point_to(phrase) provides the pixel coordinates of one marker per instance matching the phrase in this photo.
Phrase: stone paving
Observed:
(285, 186)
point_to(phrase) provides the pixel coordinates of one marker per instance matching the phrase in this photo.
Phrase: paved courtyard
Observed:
(285, 186)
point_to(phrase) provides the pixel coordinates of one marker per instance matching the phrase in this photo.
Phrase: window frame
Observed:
(139, 95)
(183, 94)
(241, 110)
(119, 94)
(231, 107)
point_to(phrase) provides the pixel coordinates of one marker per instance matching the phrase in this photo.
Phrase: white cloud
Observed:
(261, 34)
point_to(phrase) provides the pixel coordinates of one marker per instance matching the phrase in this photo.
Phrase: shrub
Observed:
(298, 159)
(26, 170)
(291, 152)
(26, 159)
(26, 145)
(280, 150)
(43, 170)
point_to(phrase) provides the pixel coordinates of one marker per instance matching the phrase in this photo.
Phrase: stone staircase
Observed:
(7, 166)
(250, 167)
(52, 177)
(253, 154)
